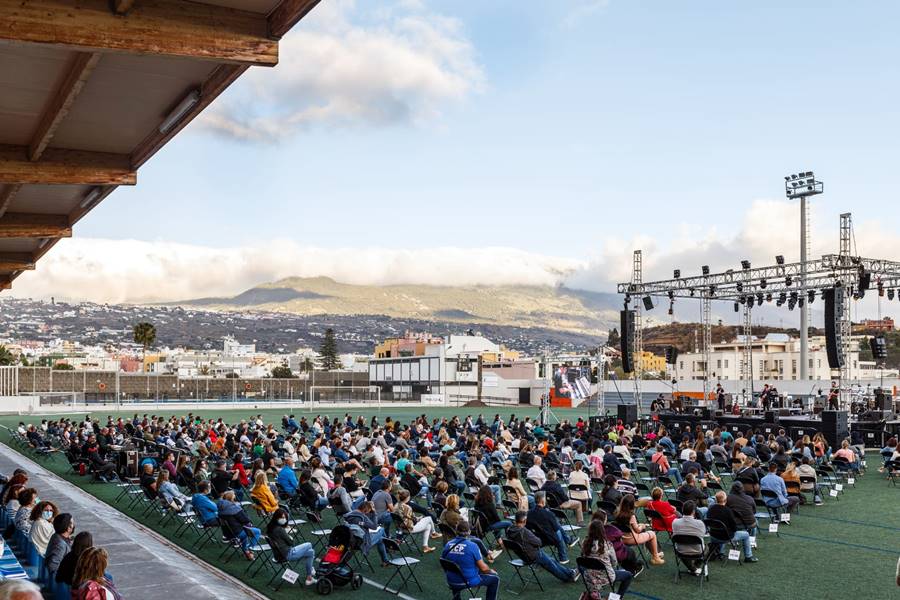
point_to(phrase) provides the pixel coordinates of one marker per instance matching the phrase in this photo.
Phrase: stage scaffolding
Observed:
(782, 283)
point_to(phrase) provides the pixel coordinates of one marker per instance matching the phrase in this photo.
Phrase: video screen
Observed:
(572, 381)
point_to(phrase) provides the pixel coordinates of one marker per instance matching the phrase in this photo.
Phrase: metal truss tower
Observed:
(637, 279)
(706, 308)
(846, 260)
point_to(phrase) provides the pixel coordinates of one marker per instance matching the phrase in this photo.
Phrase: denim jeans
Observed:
(555, 569)
(248, 539)
(385, 519)
(500, 525)
(701, 511)
(490, 582)
(562, 544)
(743, 537)
(375, 539)
(624, 577)
(307, 553)
(357, 502)
(496, 490)
(676, 475)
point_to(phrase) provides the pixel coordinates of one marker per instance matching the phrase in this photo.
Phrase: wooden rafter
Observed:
(215, 84)
(158, 27)
(59, 105)
(7, 193)
(73, 167)
(34, 225)
(287, 14)
(16, 261)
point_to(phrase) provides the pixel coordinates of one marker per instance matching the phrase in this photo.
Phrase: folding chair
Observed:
(588, 563)
(449, 567)
(650, 515)
(402, 536)
(685, 547)
(207, 534)
(522, 564)
(399, 561)
(320, 534)
(776, 510)
(718, 534)
(891, 470)
(563, 519)
(764, 512)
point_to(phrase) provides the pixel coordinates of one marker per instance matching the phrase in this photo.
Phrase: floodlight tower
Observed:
(803, 185)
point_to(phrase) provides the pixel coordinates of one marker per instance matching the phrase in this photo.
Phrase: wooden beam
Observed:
(121, 7)
(6, 196)
(287, 14)
(215, 84)
(16, 261)
(158, 27)
(34, 225)
(77, 75)
(65, 167)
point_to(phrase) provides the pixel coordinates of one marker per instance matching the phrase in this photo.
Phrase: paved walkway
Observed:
(144, 565)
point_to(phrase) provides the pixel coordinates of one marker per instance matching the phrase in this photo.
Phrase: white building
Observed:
(775, 357)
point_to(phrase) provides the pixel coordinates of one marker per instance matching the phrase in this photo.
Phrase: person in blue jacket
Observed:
(204, 506)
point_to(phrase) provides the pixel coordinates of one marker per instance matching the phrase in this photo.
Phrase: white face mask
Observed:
(47, 515)
(282, 521)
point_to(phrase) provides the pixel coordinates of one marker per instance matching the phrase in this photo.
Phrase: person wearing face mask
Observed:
(60, 543)
(28, 498)
(283, 548)
(42, 525)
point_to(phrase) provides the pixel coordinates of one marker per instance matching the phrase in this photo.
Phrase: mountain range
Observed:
(546, 307)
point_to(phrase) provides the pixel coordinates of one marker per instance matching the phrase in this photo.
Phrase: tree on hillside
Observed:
(282, 372)
(307, 365)
(6, 357)
(61, 366)
(613, 339)
(145, 335)
(328, 351)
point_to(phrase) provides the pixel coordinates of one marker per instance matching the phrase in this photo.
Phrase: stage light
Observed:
(800, 302)
(890, 294)
(763, 283)
(750, 301)
(736, 308)
(768, 297)
(802, 184)
(740, 286)
(677, 273)
(779, 259)
(811, 296)
(692, 292)
(671, 294)
(627, 298)
(705, 269)
(787, 177)
(788, 281)
(782, 297)
(745, 264)
(712, 290)
(759, 299)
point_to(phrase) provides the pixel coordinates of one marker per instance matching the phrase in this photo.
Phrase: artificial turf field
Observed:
(847, 548)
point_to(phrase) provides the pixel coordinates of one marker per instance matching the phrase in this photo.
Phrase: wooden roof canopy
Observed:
(91, 89)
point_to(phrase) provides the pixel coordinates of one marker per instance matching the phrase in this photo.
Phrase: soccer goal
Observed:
(345, 394)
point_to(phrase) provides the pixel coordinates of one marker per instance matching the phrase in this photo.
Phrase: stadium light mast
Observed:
(803, 185)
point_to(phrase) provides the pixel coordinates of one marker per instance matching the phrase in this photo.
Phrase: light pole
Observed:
(803, 185)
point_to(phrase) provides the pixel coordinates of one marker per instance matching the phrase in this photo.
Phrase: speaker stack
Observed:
(626, 339)
(627, 413)
(834, 311)
(835, 427)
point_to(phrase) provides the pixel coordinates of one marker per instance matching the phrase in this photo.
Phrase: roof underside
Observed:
(89, 90)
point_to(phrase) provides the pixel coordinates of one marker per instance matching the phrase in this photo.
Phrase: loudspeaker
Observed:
(770, 416)
(835, 426)
(878, 347)
(834, 309)
(648, 303)
(671, 355)
(627, 413)
(626, 339)
(865, 281)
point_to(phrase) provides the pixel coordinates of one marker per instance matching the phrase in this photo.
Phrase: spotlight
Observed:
(627, 298)
(705, 269)
(811, 296)
(677, 273)
(745, 264)
(782, 297)
(759, 299)
(671, 294)
(800, 302)
(779, 259)
(768, 297)
(692, 292)
(763, 283)
(890, 294)
(740, 286)
(750, 301)
(788, 281)
(712, 290)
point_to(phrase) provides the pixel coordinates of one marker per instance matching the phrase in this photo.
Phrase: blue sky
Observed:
(566, 128)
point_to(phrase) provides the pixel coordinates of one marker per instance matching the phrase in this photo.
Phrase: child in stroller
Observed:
(334, 569)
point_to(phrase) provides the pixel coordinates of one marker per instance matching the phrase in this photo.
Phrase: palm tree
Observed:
(145, 335)
(6, 357)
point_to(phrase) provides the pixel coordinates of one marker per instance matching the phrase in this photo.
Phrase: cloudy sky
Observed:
(417, 141)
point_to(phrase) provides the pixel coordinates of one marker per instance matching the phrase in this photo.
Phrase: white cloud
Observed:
(134, 271)
(345, 66)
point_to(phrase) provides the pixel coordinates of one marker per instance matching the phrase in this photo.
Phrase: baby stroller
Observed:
(334, 569)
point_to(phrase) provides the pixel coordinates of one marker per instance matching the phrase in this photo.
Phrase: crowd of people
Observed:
(40, 528)
(483, 486)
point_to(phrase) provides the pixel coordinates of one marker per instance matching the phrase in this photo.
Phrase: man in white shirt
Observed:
(536, 473)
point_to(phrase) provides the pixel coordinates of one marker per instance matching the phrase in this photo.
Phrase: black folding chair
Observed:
(686, 552)
(403, 566)
(718, 534)
(520, 564)
(450, 567)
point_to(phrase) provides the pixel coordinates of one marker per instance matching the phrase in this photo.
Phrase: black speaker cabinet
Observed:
(627, 413)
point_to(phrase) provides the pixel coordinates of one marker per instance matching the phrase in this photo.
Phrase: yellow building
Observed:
(647, 361)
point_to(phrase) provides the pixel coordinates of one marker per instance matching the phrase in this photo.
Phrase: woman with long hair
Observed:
(411, 525)
(596, 546)
(634, 533)
(283, 547)
(262, 493)
(42, 516)
(90, 582)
